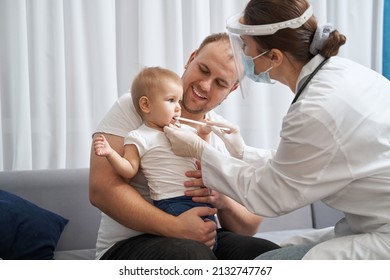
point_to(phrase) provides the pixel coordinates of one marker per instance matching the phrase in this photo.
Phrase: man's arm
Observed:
(115, 197)
(236, 218)
(231, 215)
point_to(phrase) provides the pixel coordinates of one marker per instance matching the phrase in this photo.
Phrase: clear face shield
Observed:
(235, 29)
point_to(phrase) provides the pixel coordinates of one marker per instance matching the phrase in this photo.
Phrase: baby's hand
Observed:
(101, 146)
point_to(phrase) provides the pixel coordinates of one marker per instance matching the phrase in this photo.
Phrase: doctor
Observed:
(335, 138)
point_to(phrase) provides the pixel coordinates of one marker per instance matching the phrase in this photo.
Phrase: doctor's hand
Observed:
(232, 138)
(185, 143)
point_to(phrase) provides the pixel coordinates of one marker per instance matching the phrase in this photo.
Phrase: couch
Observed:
(65, 192)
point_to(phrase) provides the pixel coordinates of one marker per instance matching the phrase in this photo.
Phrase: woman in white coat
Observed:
(335, 138)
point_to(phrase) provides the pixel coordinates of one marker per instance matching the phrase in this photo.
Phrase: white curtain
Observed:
(63, 63)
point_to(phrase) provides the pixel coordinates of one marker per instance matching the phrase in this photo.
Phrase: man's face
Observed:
(209, 77)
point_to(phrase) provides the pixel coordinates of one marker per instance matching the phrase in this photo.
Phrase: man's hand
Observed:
(192, 226)
(231, 215)
(202, 194)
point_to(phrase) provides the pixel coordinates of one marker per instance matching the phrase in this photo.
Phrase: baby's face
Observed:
(165, 105)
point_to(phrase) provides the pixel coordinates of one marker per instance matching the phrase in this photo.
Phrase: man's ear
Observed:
(144, 104)
(191, 58)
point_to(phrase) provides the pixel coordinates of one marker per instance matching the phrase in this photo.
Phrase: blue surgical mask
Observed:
(249, 69)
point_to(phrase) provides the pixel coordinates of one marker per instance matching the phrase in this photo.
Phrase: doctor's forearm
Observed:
(240, 181)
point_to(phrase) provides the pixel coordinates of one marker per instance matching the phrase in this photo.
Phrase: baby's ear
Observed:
(144, 104)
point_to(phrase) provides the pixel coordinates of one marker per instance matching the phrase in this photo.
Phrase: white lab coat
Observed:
(335, 147)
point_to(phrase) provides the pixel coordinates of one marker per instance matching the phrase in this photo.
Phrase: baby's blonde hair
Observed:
(150, 80)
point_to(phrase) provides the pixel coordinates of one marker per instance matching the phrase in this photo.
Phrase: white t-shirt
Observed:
(164, 171)
(121, 119)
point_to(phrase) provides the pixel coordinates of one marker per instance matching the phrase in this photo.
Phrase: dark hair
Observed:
(294, 41)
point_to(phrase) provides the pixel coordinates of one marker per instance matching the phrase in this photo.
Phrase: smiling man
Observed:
(209, 77)
(131, 227)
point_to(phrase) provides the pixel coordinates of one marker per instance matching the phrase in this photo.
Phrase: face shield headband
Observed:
(236, 29)
(234, 26)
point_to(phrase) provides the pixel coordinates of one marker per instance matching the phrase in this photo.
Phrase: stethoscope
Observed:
(308, 80)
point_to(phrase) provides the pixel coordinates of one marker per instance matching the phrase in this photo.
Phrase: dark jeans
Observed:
(231, 246)
(180, 204)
